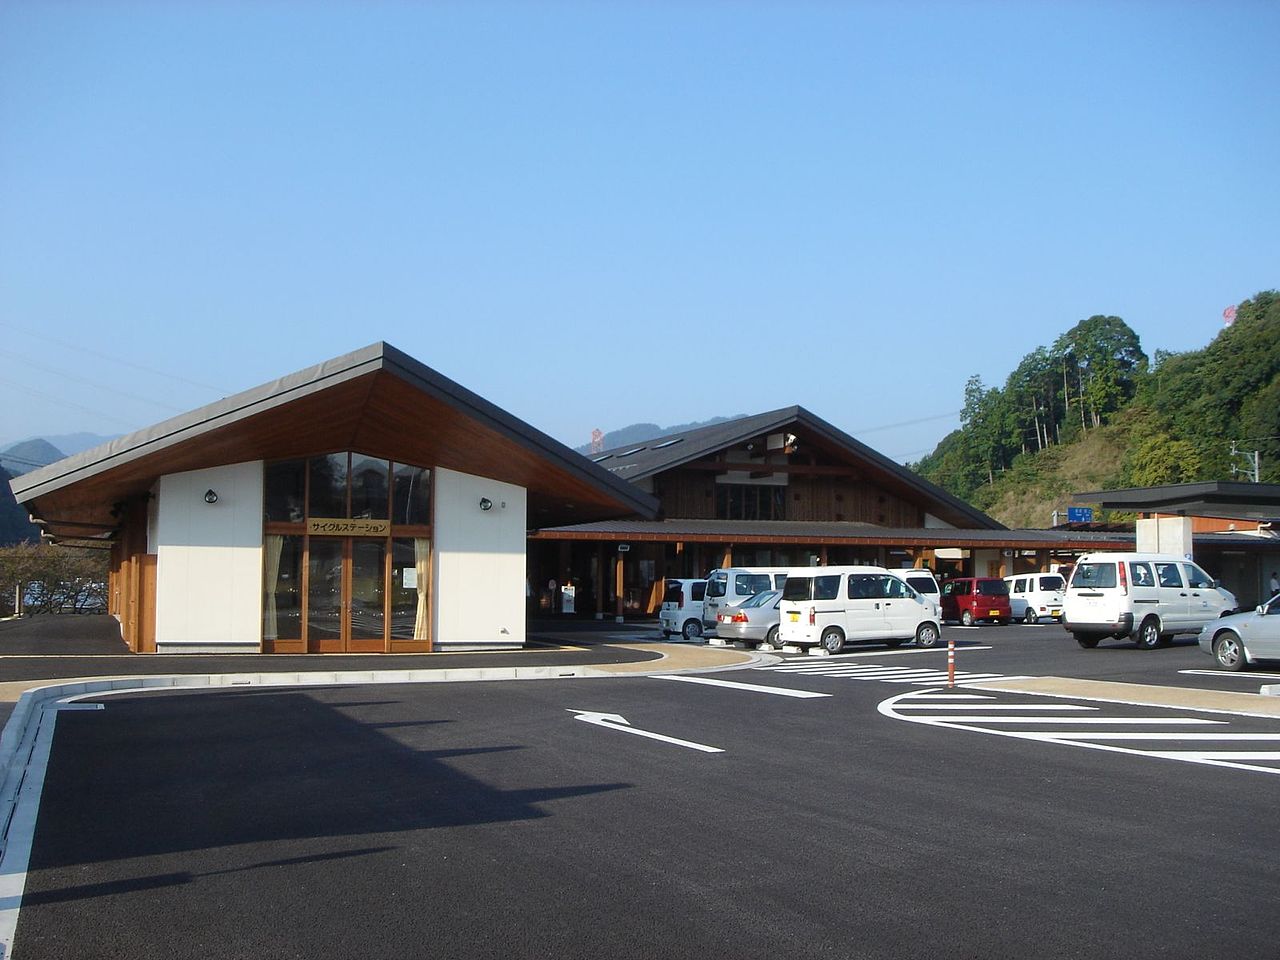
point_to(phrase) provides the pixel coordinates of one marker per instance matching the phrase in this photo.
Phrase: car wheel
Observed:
(1030, 616)
(966, 618)
(926, 635)
(1087, 640)
(1148, 634)
(772, 638)
(1228, 651)
(692, 629)
(832, 640)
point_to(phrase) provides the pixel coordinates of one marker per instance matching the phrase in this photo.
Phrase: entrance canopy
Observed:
(378, 401)
(1242, 501)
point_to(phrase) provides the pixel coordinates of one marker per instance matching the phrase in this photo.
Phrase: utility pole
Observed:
(1253, 471)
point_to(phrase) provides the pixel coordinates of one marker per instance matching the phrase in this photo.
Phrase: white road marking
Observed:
(1091, 740)
(1228, 675)
(750, 687)
(613, 721)
(996, 706)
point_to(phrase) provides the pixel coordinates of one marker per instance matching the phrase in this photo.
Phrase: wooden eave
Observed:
(377, 401)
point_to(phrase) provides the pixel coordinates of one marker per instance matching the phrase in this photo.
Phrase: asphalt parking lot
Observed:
(798, 806)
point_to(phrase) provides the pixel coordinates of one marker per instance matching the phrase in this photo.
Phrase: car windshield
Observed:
(763, 599)
(1089, 576)
(673, 593)
(797, 588)
(1051, 583)
(716, 584)
(993, 588)
(922, 584)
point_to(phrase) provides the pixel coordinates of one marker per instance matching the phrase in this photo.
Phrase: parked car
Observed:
(730, 586)
(1240, 639)
(1148, 597)
(754, 620)
(923, 582)
(681, 610)
(973, 599)
(1035, 595)
(833, 605)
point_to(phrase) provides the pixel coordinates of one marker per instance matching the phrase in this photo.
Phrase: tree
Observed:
(1106, 358)
(1161, 459)
(52, 578)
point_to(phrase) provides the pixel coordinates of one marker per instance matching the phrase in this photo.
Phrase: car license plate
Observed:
(993, 613)
(1055, 611)
(795, 617)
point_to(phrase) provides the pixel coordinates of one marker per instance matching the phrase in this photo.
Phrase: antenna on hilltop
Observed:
(597, 441)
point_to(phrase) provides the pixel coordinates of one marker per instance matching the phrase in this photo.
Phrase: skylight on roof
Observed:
(630, 452)
(668, 443)
(601, 459)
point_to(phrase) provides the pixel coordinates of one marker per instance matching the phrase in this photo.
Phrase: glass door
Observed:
(346, 595)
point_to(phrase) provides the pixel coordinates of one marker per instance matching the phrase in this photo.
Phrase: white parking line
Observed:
(750, 687)
(996, 706)
(1158, 721)
(1228, 675)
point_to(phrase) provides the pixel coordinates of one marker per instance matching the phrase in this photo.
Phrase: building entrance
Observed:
(346, 595)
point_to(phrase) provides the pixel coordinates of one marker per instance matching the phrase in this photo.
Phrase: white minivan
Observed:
(1036, 595)
(922, 580)
(1150, 597)
(732, 585)
(832, 605)
(681, 610)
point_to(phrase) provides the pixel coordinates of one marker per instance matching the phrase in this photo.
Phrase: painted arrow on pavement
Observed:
(614, 721)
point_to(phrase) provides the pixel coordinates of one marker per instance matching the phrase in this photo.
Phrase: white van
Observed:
(1150, 597)
(922, 580)
(730, 586)
(832, 605)
(1036, 595)
(681, 610)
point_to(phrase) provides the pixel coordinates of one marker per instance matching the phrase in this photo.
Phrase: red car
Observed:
(970, 599)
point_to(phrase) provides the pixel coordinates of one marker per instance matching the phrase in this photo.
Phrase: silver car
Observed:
(1236, 641)
(755, 620)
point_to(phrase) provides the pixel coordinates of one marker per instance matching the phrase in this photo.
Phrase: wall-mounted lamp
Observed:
(210, 496)
(486, 503)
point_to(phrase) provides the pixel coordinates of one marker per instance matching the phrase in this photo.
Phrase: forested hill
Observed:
(1094, 411)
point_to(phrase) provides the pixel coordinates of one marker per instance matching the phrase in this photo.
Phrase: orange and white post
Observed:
(951, 663)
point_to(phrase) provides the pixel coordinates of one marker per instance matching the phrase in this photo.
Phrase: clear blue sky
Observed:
(596, 214)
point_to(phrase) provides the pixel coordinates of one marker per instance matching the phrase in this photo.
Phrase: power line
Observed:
(104, 356)
(68, 403)
(89, 383)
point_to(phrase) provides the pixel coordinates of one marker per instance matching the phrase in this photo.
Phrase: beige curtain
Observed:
(271, 575)
(422, 559)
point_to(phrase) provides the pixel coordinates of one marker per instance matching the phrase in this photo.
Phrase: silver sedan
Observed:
(755, 620)
(1236, 641)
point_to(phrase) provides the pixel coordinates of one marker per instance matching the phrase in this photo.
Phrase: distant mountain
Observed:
(14, 526)
(68, 443)
(640, 432)
(28, 455)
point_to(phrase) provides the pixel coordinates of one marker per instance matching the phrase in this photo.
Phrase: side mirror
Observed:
(1263, 609)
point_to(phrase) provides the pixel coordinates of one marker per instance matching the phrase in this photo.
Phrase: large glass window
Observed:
(282, 593)
(410, 573)
(370, 483)
(284, 486)
(740, 501)
(411, 494)
(328, 497)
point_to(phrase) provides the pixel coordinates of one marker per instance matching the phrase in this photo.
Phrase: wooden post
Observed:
(727, 560)
(601, 587)
(618, 580)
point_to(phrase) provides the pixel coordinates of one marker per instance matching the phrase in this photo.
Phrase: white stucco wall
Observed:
(478, 577)
(209, 560)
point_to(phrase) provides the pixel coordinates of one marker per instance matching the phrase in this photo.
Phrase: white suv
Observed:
(1147, 596)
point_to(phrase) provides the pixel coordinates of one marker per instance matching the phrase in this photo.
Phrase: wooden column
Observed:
(618, 580)
(601, 584)
(727, 559)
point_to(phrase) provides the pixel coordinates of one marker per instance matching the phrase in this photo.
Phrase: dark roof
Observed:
(637, 461)
(803, 531)
(377, 400)
(1214, 498)
(832, 532)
